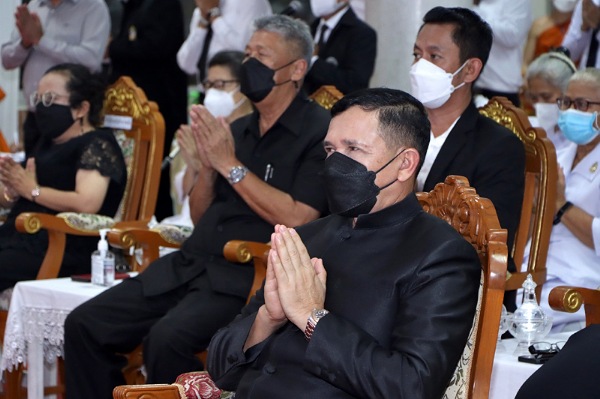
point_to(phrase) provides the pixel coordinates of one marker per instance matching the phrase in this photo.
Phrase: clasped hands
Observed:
(29, 26)
(295, 284)
(214, 141)
(16, 179)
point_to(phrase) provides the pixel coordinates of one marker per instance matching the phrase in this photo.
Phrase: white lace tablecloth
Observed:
(35, 327)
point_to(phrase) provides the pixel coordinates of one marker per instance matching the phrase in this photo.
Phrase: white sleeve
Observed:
(13, 54)
(596, 234)
(511, 23)
(189, 53)
(574, 38)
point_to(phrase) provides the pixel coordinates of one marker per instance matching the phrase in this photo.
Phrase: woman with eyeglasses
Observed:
(547, 78)
(75, 167)
(222, 99)
(574, 251)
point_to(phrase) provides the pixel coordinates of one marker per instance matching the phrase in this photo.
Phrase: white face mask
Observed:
(564, 5)
(320, 8)
(220, 102)
(547, 115)
(430, 84)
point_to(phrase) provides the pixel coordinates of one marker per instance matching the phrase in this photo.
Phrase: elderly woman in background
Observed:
(75, 167)
(574, 252)
(547, 78)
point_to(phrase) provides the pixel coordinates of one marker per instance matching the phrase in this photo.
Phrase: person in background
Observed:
(260, 171)
(547, 77)
(583, 36)
(75, 168)
(345, 50)
(574, 251)
(145, 49)
(218, 25)
(510, 21)
(450, 51)
(51, 32)
(311, 331)
(223, 100)
(547, 32)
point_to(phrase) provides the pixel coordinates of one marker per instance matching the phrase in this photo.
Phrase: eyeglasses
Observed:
(581, 104)
(216, 84)
(544, 348)
(46, 98)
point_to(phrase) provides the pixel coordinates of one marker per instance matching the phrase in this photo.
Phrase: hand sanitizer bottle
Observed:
(103, 263)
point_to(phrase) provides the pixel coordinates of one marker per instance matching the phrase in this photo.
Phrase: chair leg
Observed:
(13, 384)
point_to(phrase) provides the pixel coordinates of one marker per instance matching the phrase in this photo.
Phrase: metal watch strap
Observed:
(311, 323)
(237, 174)
(35, 193)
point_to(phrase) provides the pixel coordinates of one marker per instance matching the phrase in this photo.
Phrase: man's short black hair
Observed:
(403, 120)
(472, 35)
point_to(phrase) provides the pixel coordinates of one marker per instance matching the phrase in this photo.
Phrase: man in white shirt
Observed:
(510, 21)
(50, 32)
(218, 25)
(583, 32)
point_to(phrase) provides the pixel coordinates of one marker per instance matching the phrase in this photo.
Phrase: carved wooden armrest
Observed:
(243, 252)
(127, 234)
(569, 299)
(154, 391)
(58, 226)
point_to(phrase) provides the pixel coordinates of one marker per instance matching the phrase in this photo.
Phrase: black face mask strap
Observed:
(389, 162)
(281, 67)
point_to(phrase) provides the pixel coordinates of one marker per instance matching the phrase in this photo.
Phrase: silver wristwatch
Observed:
(237, 173)
(313, 319)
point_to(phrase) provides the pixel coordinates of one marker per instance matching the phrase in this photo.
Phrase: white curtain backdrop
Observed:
(9, 80)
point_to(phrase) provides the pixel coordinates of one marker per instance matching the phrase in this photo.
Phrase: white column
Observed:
(9, 80)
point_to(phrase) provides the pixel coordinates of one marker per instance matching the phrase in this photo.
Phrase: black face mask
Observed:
(54, 120)
(256, 80)
(350, 187)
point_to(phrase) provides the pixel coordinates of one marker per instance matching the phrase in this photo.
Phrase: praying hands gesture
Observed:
(295, 284)
(17, 181)
(214, 140)
(29, 26)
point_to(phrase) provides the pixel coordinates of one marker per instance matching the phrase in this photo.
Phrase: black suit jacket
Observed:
(347, 59)
(492, 158)
(401, 288)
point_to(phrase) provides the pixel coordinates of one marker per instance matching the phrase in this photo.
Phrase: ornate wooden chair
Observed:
(139, 128)
(537, 212)
(569, 299)
(475, 219)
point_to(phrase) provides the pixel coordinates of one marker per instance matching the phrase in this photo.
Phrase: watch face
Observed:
(317, 314)
(237, 173)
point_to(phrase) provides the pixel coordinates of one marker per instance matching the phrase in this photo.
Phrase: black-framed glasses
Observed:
(581, 104)
(543, 348)
(218, 84)
(46, 98)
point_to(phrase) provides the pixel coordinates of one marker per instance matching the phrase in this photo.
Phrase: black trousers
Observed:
(173, 328)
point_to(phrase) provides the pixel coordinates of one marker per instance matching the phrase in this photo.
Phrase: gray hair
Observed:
(554, 68)
(588, 75)
(293, 31)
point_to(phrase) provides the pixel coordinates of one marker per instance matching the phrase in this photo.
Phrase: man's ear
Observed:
(410, 162)
(472, 70)
(300, 68)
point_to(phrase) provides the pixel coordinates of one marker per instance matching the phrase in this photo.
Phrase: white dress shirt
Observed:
(231, 31)
(577, 41)
(74, 31)
(435, 145)
(510, 21)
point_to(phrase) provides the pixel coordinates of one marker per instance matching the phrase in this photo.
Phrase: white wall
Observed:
(9, 80)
